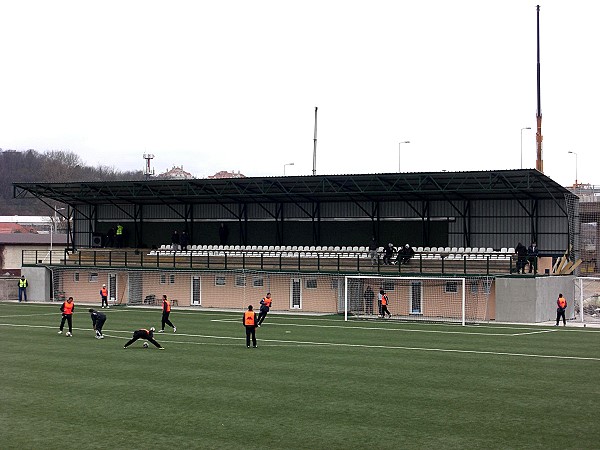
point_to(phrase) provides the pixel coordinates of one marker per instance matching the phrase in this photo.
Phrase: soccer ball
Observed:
(145, 345)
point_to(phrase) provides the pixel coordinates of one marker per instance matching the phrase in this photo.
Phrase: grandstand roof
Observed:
(504, 184)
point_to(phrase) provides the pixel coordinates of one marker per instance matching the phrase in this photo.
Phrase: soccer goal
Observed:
(586, 299)
(439, 299)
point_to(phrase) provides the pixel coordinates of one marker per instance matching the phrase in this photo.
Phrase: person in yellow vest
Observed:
(561, 307)
(104, 295)
(384, 304)
(119, 236)
(250, 322)
(148, 335)
(166, 310)
(265, 306)
(67, 309)
(23, 288)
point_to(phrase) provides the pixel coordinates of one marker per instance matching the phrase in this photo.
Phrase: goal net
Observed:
(586, 299)
(439, 299)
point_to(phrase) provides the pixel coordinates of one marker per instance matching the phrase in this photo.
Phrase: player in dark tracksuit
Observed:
(98, 320)
(144, 334)
(265, 307)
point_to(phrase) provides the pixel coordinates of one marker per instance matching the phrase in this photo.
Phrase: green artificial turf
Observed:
(312, 383)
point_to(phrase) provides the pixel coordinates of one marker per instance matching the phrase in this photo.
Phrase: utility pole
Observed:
(539, 162)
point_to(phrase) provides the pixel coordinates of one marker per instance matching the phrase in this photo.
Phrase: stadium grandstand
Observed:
(301, 237)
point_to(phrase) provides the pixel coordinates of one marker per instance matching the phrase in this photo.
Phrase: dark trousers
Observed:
(99, 325)
(261, 317)
(560, 313)
(141, 335)
(250, 331)
(69, 319)
(22, 293)
(104, 301)
(166, 321)
(384, 311)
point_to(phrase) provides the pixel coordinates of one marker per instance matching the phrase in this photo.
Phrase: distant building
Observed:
(13, 244)
(225, 174)
(176, 173)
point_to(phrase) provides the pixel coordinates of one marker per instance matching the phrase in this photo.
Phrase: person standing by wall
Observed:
(23, 283)
(250, 323)
(98, 319)
(104, 296)
(67, 308)
(561, 307)
(166, 310)
(384, 305)
(369, 296)
(265, 307)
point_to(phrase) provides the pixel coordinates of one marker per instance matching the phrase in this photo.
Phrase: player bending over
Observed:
(144, 334)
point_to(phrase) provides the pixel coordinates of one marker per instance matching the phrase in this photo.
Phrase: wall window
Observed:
(93, 277)
(240, 280)
(163, 278)
(76, 277)
(451, 287)
(389, 286)
(219, 280)
(258, 281)
(311, 283)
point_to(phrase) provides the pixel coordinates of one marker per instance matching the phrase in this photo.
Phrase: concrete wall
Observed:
(39, 280)
(532, 300)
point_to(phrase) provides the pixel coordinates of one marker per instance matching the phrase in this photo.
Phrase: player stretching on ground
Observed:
(144, 334)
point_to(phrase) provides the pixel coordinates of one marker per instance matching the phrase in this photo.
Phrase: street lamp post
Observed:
(525, 128)
(288, 164)
(575, 153)
(53, 226)
(400, 152)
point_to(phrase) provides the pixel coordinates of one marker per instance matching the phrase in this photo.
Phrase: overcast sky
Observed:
(233, 85)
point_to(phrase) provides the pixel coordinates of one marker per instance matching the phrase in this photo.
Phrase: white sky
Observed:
(232, 84)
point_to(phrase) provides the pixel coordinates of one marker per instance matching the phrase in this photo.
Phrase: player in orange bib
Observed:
(250, 322)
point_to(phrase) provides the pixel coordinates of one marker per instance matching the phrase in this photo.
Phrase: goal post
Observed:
(439, 299)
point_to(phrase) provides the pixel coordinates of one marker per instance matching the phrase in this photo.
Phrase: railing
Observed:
(303, 261)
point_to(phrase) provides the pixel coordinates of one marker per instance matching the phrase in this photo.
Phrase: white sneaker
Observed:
(68, 334)
(161, 331)
(60, 332)
(101, 336)
(107, 307)
(174, 329)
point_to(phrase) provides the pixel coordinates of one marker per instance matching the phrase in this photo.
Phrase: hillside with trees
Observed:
(32, 166)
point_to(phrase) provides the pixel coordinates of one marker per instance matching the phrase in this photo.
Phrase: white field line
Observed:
(404, 330)
(334, 344)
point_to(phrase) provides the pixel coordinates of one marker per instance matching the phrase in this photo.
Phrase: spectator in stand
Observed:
(373, 251)
(184, 241)
(521, 252)
(119, 235)
(223, 234)
(175, 241)
(405, 254)
(388, 254)
(532, 257)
